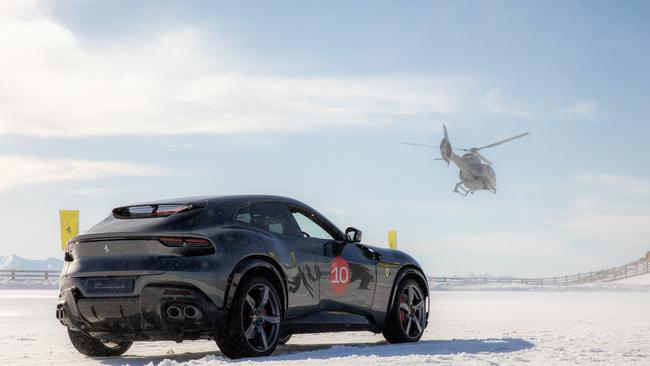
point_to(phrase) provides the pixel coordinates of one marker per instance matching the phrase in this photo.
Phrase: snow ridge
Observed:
(15, 262)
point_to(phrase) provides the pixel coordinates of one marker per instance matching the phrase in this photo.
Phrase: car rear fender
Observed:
(250, 266)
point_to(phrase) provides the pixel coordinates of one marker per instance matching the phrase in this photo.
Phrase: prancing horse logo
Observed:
(106, 248)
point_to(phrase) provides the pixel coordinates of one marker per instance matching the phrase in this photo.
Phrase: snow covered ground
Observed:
(466, 328)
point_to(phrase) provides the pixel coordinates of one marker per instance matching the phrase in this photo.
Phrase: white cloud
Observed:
(628, 185)
(51, 84)
(621, 230)
(612, 209)
(18, 170)
(582, 109)
(612, 194)
(495, 101)
(524, 244)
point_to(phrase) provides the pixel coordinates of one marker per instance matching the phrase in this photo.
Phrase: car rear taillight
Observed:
(172, 241)
(175, 241)
(198, 242)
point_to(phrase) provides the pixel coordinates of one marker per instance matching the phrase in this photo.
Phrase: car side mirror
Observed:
(353, 235)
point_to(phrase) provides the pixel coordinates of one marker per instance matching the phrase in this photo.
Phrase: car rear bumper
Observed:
(144, 315)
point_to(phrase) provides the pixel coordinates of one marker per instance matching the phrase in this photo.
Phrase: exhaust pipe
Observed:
(191, 312)
(174, 312)
(60, 313)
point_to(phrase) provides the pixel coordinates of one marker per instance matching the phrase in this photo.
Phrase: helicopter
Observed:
(476, 172)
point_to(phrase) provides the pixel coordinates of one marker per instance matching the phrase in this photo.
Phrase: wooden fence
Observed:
(636, 268)
(19, 274)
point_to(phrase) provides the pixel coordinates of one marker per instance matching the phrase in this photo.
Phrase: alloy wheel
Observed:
(261, 317)
(411, 311)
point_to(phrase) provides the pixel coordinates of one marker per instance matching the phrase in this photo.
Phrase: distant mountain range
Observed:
(15, 262)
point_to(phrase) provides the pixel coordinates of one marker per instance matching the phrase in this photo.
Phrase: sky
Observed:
(106, 103)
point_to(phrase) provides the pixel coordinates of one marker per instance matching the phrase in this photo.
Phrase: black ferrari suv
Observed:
(246, 271)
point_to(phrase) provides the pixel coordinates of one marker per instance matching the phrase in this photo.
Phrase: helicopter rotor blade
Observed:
(502, 141)
(423, 145)
(483, 158)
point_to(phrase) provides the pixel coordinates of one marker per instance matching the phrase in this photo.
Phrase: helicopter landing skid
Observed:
(462, 190)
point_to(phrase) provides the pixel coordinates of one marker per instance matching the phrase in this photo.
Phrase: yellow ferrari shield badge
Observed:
(69, 225)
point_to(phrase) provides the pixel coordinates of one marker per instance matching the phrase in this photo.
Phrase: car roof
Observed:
(236, 199)
(243, 199)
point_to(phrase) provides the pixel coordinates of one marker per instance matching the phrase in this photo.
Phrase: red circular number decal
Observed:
(339, 275)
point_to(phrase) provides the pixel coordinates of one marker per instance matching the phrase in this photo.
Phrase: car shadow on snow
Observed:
(293, 352)
(383, 349)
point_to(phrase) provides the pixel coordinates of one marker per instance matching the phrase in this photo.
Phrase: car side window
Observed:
(274, 217)
(244, 215)
(309, 227)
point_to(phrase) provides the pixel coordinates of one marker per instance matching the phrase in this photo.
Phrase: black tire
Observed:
(406, 319)
(254, 321)
(94, 347)
(284, 339)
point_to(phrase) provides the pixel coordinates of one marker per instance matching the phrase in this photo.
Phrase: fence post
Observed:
(46, 276)
(13, 275)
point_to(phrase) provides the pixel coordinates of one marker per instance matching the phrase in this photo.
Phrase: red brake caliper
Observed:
(401, 311)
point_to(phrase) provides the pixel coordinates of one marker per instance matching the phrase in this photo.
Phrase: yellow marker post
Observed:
(69, 225)
(392, 239)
